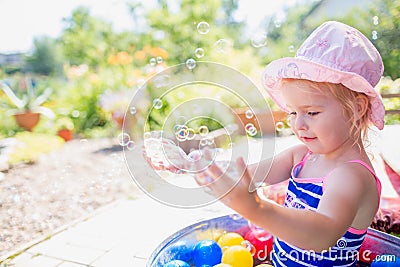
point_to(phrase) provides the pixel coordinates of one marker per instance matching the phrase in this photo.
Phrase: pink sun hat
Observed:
(334, 53)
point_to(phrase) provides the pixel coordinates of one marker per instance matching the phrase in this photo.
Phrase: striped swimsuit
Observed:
(305, 193)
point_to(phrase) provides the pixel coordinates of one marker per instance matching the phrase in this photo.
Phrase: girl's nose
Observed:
(299, 123)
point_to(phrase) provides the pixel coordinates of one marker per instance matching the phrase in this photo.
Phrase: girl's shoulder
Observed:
(299, 152)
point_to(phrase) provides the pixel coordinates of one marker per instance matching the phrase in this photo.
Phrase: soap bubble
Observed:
(222, 45)
(375, 20)
(190, 63)
(374, 35)
(124, 139)
(157, 103)
(203, 27)
(203, 130)
(153, 61)
(199, 52)
(249, 114)
(259, 39)
(279, 126)
(132, 110)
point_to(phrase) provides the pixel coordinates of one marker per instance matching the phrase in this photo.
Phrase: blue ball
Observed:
(176, 263)
(207, 252)
(181, 250)
(385, 260)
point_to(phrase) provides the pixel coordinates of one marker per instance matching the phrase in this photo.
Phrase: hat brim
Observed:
(298, 68)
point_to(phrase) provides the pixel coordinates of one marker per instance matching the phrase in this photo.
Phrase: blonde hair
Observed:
(348, 99)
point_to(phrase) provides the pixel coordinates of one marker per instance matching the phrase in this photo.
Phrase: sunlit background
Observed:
(74, 66)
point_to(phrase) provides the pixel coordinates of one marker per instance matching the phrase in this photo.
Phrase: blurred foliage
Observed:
(31, 145)
(47, 57)
(388, 86)
(94, 70)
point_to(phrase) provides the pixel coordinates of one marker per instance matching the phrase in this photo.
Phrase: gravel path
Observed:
(61, 187)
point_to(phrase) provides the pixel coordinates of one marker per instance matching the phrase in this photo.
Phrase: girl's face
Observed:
(316, 118)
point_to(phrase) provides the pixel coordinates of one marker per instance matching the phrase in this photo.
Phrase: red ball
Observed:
(262, 242)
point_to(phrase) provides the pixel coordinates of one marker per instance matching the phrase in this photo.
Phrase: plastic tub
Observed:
(376, 242)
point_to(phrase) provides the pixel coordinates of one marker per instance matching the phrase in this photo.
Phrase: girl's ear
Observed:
(361, 106)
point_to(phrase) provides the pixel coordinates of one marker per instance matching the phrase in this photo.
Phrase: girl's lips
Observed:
(308, 139)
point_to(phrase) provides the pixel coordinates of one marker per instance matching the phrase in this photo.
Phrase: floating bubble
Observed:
(190, 134)
(159, 59)
(279, 126)
(203, 130)
(203, 27)
(75, 113)
(123, 139)
(153, 61)
(132, 110)
(131, 145)
(157, 103)
(203, 142)
(374, 35)
(291, 48)
(375, 20)
(199, 52)
(249, 114)
(259, 39)
(182, 134)
(251, 130)
(191, 63)
(278, 23)
(222, 45)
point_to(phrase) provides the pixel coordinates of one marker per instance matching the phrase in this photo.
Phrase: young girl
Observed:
(333, 192)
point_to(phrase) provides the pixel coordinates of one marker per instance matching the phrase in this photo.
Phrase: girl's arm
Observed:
(349, 191)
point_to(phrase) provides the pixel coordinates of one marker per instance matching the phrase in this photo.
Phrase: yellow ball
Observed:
(237, 256)
(230, 239)
(264, 265)
(223, 265)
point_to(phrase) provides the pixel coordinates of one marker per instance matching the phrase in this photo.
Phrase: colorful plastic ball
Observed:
(264, 265)
(181, 250)
(263, 246)
(237, 256)
(207, 252)
(176, 263)
(223, 265)
(230, 239)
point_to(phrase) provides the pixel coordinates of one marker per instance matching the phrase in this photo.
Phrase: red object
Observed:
(65, 134)
(262, 243)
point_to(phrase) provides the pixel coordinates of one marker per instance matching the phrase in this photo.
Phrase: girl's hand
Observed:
(164, 154)
(231, 184)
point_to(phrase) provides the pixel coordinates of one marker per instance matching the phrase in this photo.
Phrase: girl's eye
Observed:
(313, 113)
(292, 113)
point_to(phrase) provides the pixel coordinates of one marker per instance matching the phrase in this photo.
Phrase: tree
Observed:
(46, 58)
(86, 39)
(178, 26)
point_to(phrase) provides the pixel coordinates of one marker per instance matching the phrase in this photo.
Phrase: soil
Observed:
(61, 187)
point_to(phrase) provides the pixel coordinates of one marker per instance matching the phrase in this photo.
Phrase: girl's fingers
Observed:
(246, 177)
